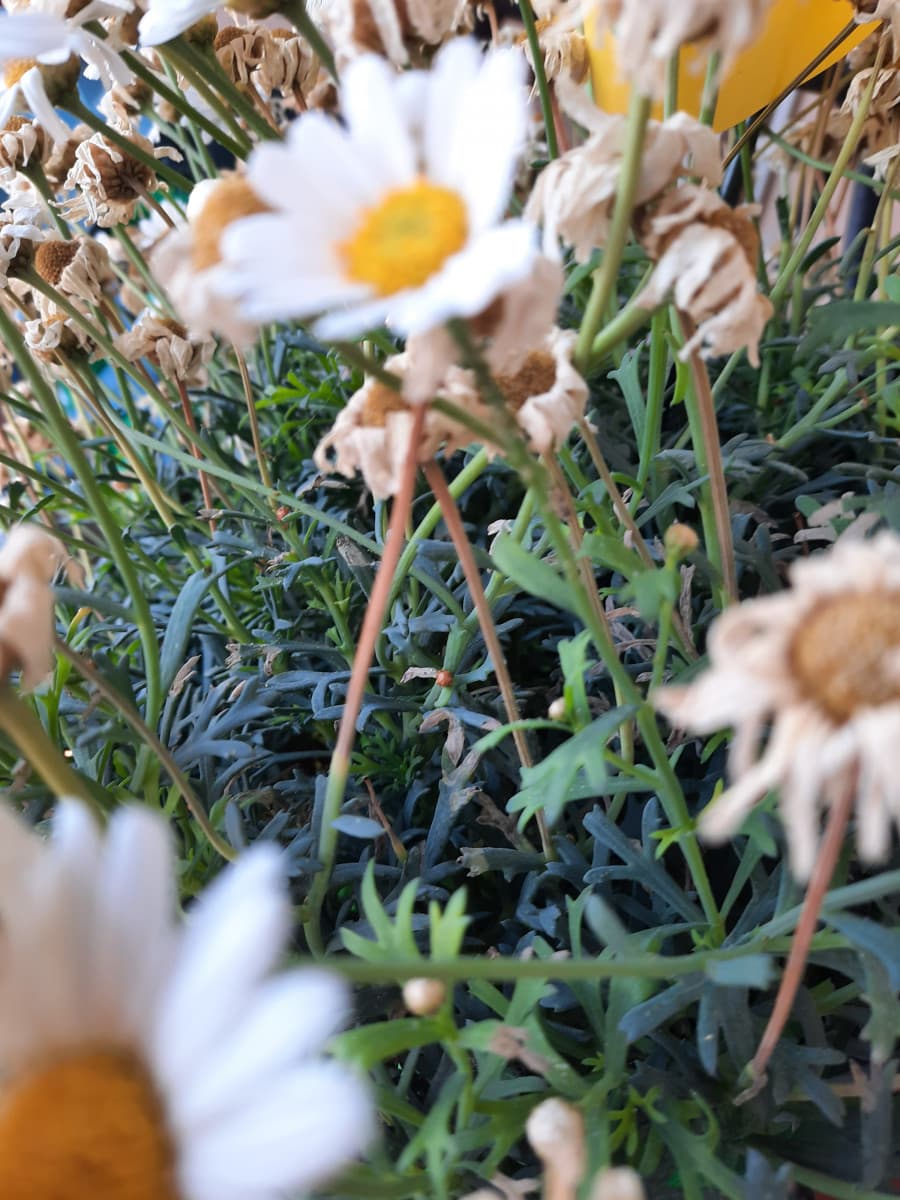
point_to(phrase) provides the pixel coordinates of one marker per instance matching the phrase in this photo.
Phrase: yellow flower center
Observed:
(406, 238)
(15, 68)
(86, 1127)
(846, 655)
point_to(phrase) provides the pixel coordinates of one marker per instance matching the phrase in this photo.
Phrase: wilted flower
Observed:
(112, 1086)
(19, 233)
(77, 267)
(398, 217)
(168, 346)
(21, 142)
(574, 196)
(504, 333)
(28, 561)
(705, 255)
(110, 182)
(555, 1131)
(545, 392)
(394, 28)
(821, 664)
(290, 67)
(880, 10)
(372, 433)
(649, 32)
(240, 49)
(53, 333)
(188, 260)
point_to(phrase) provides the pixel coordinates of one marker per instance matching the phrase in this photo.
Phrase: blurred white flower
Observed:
(649, 32)
(398, 217)
(147, 1059)
(820, 663)
(28, 561)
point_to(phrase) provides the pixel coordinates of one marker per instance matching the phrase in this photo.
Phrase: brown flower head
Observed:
(110, 183)
(21, 141)
(167, 346)
(705, 254)
(820, 665)
(78, 268)
(398, 29)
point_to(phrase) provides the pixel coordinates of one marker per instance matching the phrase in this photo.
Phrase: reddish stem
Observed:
(829, 852)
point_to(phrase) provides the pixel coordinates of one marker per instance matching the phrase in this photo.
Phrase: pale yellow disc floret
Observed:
(405, 239)
(85, 1127)
(846, 654)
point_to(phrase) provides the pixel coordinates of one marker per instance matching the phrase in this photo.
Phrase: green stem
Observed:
(70, 447)
(41, 752)
(86, 669)
(785, 279)
(606, 276)
(710, 89)
(656, 389)
(540, 76)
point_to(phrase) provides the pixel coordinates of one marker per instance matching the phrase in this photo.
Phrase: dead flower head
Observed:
(78, 268)
(20, 232)
(240, 49)
(880, 10)
(574, 195)
(168, 346)
(397, 29)
(520, 318)
(820, 664)
(22, 141)
(705, 254)
(110, 183)
(372, 434)
(649, 32)
(28, 561)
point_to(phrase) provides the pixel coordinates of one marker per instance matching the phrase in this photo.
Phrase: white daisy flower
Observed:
(397, 218)
(820, 663)
(37, 46)
(143, 1060)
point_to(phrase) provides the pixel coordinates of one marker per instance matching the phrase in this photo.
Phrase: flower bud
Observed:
(557, 710)
(423, 997)
(680, 540)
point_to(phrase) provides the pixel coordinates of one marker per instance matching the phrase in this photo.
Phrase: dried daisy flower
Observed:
(110, 183)
(167, 346)
(521, 317)
(28, 561)
(61, 159)
(53, 335)
(240, 49)
(291, 68)
(880, 136)
(880, 10)
(77, 268)
(618, 1183)
(705, 254)
(399, 216)
(398, 29)
(112, 1086)
(21, 142)
(820, 664)
(574, 196)
(564, 48)
(555, 1131)
(545, 393)
(372, 433)
(649, 32)
(188, 260)
(19, 234)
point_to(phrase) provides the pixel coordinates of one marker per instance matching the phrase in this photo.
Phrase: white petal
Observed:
(34, 35)
(233, 938)
(298, 1132)
(290, 1018)
(165, 19)
(36, 98)
(371, 107)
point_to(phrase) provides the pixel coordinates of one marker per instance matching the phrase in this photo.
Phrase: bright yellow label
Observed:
(795, 32)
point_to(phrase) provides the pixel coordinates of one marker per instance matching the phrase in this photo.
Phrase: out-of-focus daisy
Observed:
(28, 561)
(188, 259)
(40, 47)
(821, 663)
(398, 217)
(145, 1060)
(649, 32)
